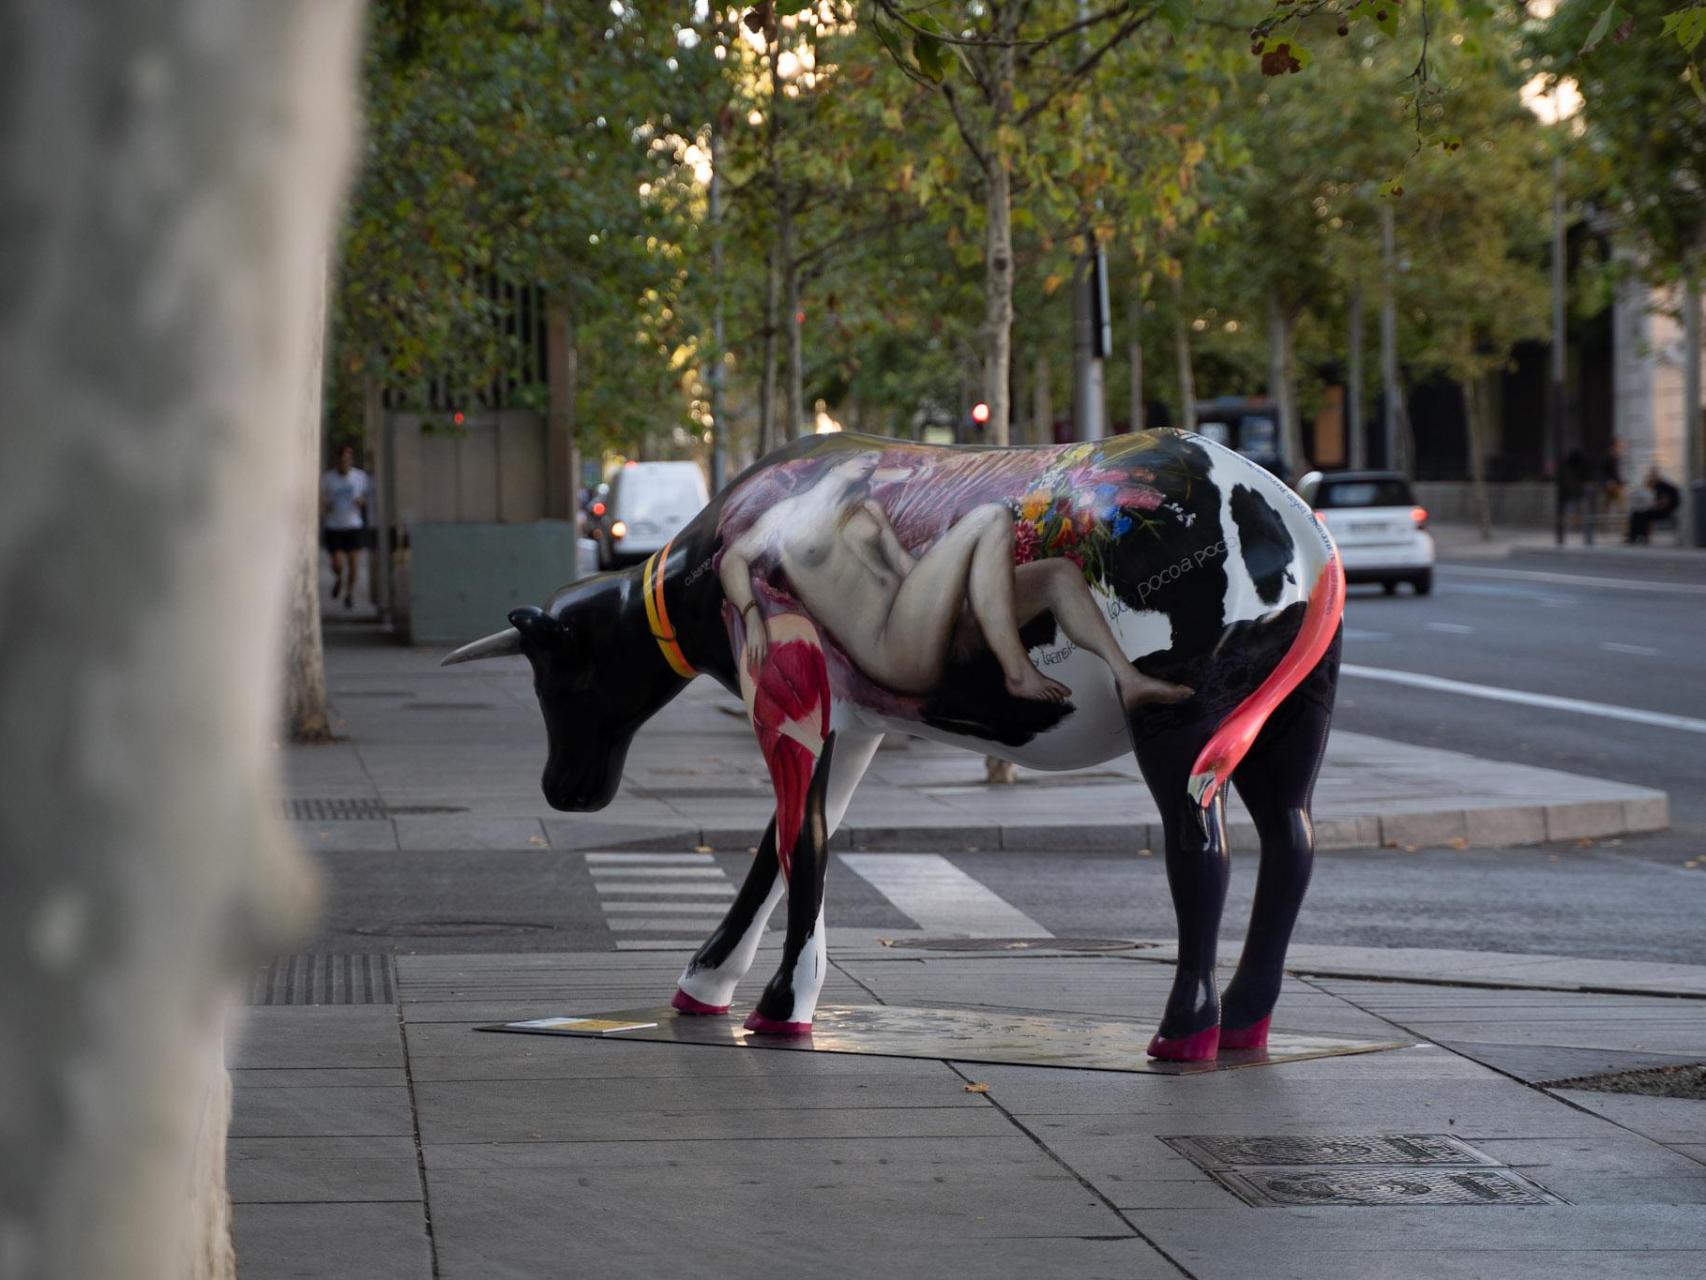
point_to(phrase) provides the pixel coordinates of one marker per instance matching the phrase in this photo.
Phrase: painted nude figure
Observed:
(900, 616)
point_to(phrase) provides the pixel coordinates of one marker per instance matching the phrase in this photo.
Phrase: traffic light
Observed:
(980, 415)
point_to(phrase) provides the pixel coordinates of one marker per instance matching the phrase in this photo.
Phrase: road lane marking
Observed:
(1451, 628)
(651, 887)
(1580, 706)
(651, 859)
(604, 873)
(1614, 584)
(680, 908)
(1639, 650)
(1358, 636)
(940, 897)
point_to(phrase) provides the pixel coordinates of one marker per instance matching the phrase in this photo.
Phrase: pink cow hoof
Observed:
(756, 1021)
(1199, 1046)
(1254, 1036)
(684, 1003)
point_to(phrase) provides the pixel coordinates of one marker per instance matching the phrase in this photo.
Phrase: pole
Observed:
(1356, 443)
(1694, 532)
(1558, 336)
(719, 428)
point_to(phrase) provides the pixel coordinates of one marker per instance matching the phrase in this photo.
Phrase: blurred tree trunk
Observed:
(796, 355)
(173, 171)
(1356, 441)
(1135, 359)
(1042, 406)
(305, 713)
(1282, 380)
(562, 376)
(1182, 352)
(1477, 404)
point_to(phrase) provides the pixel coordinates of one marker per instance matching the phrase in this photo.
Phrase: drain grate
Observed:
(1019, 944)
(332, 809)
(1213, 1153)
(1687, 1081)
(322, 979)
(1272, 1188)
(1358, 1169)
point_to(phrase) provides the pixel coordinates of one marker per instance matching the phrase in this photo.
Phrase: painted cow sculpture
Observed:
(1051, 606)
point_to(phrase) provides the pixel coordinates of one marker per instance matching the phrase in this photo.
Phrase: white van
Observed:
(649, 503)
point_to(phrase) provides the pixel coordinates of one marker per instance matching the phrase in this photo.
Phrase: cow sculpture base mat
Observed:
(956, 1034)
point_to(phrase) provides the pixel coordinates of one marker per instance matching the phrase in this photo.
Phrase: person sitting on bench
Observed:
(1666, 498)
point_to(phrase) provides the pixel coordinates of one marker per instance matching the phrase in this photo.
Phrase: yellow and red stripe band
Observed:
(657, 616)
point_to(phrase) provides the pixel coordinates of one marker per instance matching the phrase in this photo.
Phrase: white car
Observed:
(1382, 534)
(649, 503)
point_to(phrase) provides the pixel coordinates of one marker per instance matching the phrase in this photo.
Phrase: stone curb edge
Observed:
(1490, 828)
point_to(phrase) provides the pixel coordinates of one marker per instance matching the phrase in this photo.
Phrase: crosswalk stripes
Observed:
(680, 895)
(672, 901)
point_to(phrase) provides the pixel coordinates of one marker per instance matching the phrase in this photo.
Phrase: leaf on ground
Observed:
(977, 1088)
(885, 942)
(538, 841)
(701, 848)
(1458, 842)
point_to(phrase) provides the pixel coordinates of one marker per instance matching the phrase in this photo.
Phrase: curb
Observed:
(1489, 828)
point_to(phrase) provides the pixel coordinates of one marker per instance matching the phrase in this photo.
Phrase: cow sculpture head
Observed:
(591, 705)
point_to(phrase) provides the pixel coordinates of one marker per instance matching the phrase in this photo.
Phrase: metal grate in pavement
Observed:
(332, 808)
(319, 978)
(1290, 1188)
(1340, 1149)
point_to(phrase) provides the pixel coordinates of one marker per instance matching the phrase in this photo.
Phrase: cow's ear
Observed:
(539, 630)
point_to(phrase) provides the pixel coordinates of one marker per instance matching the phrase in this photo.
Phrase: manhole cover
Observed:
(451, 928)
(1020, 944)
(416, 810)
(332, 809)
(449, 706)
(344, 978)
(1403, 1149)
(1391, 1186)
(1654, 1082)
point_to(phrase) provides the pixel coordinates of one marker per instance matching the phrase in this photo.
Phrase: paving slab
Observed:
(322, 1170)
(375, 1241)
(317, 1112)
(1680, 1120)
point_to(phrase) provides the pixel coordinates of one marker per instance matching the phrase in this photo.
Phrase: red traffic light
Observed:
(457, 417)
(980, 413)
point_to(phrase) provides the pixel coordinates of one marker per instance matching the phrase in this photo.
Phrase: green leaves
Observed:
(1612, 14)
(1686, 25)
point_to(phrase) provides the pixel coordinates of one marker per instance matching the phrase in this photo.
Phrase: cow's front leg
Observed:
(790, 998)
(708, 983)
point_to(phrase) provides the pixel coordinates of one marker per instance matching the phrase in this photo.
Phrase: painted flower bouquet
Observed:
(1079, 511)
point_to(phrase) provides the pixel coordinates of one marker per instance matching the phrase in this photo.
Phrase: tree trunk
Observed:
(1477, 412)
(1692, 444)
(381, 503)
(562, 487)
(998, 313)
(1182, 351)
(1356, 443)
(1135, 357)
(180, 171)
(1282, 320)
(767, 348)
(1042, 405)
(1394, 418)
(306, 716)
(796, 357)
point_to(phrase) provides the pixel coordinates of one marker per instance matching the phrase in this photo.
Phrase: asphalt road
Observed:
(1624, 634)
(1522, 644)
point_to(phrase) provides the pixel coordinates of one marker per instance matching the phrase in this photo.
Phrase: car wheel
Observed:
(1423, 582)
(1389, 586)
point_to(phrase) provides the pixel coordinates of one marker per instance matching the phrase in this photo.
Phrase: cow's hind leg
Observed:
(1197, 876)
(708, 983)
(1277, 783)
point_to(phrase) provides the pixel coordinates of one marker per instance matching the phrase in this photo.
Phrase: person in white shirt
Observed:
(343, 520)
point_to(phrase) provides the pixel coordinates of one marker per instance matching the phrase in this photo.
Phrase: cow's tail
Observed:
(1317, 556)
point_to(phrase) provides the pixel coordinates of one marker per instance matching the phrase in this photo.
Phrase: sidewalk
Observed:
(395, 1140)
(449, 758)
